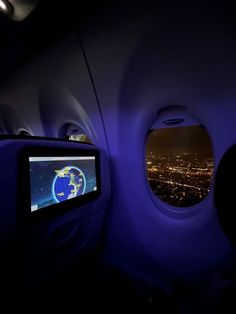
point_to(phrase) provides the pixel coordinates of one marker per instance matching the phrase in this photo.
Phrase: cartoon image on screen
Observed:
(58, 179)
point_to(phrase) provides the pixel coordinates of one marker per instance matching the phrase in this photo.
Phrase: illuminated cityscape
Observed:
(180, 177)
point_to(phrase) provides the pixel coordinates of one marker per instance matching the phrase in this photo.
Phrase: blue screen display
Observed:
(58, 179)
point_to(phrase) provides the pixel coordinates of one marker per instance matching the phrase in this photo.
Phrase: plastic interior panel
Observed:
(47, 245)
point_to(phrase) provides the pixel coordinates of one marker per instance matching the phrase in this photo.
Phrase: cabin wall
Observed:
(52, 89)
(141, 62)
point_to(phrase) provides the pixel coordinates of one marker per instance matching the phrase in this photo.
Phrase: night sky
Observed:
(43, 173)
(180, 140)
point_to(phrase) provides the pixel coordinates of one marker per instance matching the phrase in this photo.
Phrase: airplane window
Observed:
(74, 132)
(24, 133)
(80, 138)
(179, 164)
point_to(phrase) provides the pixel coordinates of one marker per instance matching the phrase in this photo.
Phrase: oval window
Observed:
(179, 164)
(74, 132)
(81, 137)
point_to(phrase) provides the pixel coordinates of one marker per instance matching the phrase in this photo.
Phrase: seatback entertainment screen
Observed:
(58, 179)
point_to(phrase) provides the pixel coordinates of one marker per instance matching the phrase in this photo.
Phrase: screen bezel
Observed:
(53, 210)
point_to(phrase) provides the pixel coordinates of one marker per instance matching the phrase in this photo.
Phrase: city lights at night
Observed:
(180, 164)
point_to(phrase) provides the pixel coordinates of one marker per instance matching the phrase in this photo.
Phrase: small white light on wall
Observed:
(17, 10)
(6, 8)
(3, 6)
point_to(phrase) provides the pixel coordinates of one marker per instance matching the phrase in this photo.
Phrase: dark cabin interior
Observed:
(132, 105)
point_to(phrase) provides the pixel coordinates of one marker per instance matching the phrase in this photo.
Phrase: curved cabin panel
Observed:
(151, 86)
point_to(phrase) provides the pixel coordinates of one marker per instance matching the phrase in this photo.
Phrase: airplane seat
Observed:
(224, 197)
(224, 193)
(43, 242)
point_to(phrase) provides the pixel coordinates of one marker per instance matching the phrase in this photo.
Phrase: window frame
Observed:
(186, 211)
